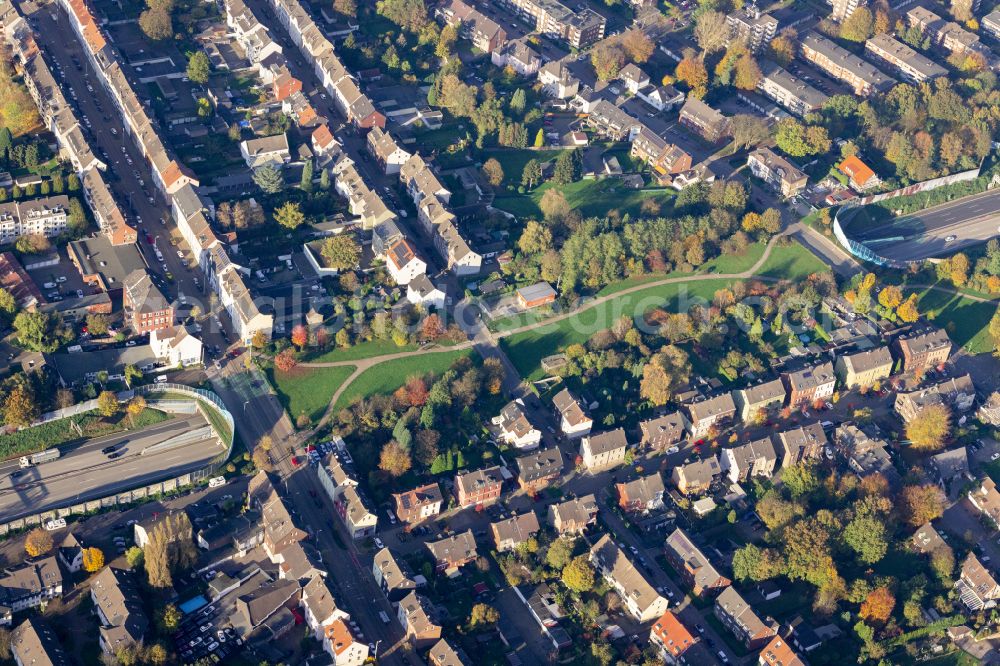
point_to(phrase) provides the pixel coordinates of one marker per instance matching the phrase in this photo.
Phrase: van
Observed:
(49, 285)
(74, 349)
(55, 524)
(216, 481)
(160, 379)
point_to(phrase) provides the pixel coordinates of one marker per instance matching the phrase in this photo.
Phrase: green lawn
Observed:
(593, 198)
(360, 350)
(791, 262)
(513, 160)
(389, 376)
(966, 320)
(308, 389)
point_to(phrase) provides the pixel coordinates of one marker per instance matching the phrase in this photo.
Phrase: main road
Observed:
(84, 473)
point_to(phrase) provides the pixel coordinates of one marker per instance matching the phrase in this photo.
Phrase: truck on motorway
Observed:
(39, 458)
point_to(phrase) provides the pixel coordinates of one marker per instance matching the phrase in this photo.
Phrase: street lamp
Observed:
(375, 656)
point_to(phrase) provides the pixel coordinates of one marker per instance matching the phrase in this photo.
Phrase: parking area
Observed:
(58, 281)
(208, 631)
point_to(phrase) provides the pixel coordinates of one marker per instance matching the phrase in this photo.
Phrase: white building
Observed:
(175, 346)
(421, 291)
(271, 150)
(403, 263)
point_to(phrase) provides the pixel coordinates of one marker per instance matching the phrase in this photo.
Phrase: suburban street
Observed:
(85, 473)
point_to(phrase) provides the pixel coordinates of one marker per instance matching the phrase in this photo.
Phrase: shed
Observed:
(535, 295)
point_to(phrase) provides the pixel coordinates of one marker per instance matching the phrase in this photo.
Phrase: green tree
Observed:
(559, 553)
(518, 101)
(198, 67)
(859, 26)
(134, 557)
(8, 306)
(38, 331)
(341, 252)
(269, 179)
(76, 216)
(540, 138)
(565, 170)
(107, 403)
(156, 24)
(306, 182)
(578, 575)
(756, 564)
(97, 324)
(483, 615)
(800, 479)
(289, 215)
(532, 174)
(866, 535)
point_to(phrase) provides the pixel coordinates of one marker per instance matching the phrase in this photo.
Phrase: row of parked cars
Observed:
(200, 637)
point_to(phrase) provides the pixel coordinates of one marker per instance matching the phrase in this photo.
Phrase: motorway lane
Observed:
(351, 576)
(85, 473)
(153, 218)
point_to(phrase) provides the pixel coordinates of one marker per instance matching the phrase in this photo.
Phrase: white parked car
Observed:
(55, 524)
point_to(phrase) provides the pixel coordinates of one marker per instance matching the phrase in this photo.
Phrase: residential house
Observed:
(390, 576)
(484, 33)
(923, 349)
(991, 24)
(419, 627)
(760, 399)
(41, 217)
(520, 57)
(957, 393)
(638, 596)
(741, 619)
(384, 148)
(792, 93)
(610, 121)
(779, 653)
(702, 416)
(557, 80)
(510, 533)
(266, 150)
(453, 552)
(18, 283)
(986, 498)
(703, 120)
(359, 520)
(860, 176)
(443, 654)
(604, 451)
(696, 477)
(908, 63)
(810, 384)
(334, 478)
(949, 35)
(403, 262)
(279, 530)
(662, 98)
(694, 568)
(863, 77)
(539, 469)
(742, 462)
(977, 587)
(415, 506)
(802, 444)
(662, 432)
(671, 638)
(29, 586)
(776, 171)
(865, 454)
(146, 308)
(119, 605)
(751, 27)
(479, 488)
(989, 411)
(343, 646)
(515, 428)
(34, 643)
(864, 369)
(573, 516)
(70, 553)
(634, 78)
(641, 495)
(267, 609)
(175, 346)
(573, 421)
(421, 291)
(327, 623)
(927, 539)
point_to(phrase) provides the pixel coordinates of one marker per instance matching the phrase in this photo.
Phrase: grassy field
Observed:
(59, 432)
(593, 198)
(360, 350)
(791, 262)
(966, 320)
(389, 376)
(513, 161)
(308, 389)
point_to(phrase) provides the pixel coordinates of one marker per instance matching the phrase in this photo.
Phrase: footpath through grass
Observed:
(361, 350)
(967, 321)
(91, 424)
(389, 376)
(308, 389)
(593, 198)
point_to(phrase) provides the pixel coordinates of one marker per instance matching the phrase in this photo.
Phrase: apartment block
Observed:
(579, 29)
(777, 172)
(844, 66)
(739, 617)
(46, 217)
(910, 65)
(604, 451)
(805, 386)
(794, 94)
(864, 369)
(923, 349)
(703, 120)
(750, 26)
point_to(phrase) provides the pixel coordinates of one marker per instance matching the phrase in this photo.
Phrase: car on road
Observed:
(110, 449)
(116, 455)
(378, 543)
(950, 238)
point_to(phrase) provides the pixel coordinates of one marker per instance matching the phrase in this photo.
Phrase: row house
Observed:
(394, 582)
(573, 420)
(802, 444)
(751, 27)
(383, 147)
(415, 506)
(510, 533)
(809, 384)
(280, 531)
(663, 432)
(703, 120)
(343, 646)
(697, 572)
(105, 209)
(671, 638)
(573, 516)
(641, 495)
(711, 413)
(756, 401)
(756, 458)
(696, 477)
(519, 56)
(250, 33)
(864, 369)
(788, 91)
(579, 29)
(986, 498)
(638, 596)
(235, 297)
(453, 552)
(604, 451)
(957, 393)
(663, 158)
(484, 33)
(359, 520)
(416, 616)
(538, 470)
(30, 586)
(863, 77)
(515, 428)
(609, 121)
(479, 488)
(146, 308)
(779, 653)
(403, 262)
(910, 65)
(175, 346)
(35, 642)
(739, 617)
(328, 624)
(977, 587)
(46, 217)
(990, 24)
(118, 602)
(777, 172)
(923, 349)
(445, 654)
(191, 211)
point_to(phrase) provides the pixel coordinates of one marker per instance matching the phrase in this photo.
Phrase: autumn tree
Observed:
(156, 24)
(483, 615)
(747, 74)
(341, 252)
(156, 559)
(554, 205)
(859, 26)
(962, 10)
(394, 459)
(168, 618)
(783, 47)
(748, 130)
(290, 215)
(432, 328)
(691, 71)
(890, 297)
(929, 428)
(711, 31)
(877, 606)
(346, 7)
(38, 542)
(107, 403)
(93, 559)
(20, 409)
(493, 172)
(300, 336)
(607, 58)
(664, 372)
(559, 553)
(285, 360)
(262, 460)
(578, 575)
(637, 45)
(136, 406)
(919, 505)
(756, 564)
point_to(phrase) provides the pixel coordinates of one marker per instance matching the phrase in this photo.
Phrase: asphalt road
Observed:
(85, 473)
(107, 134)
(971, 220)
